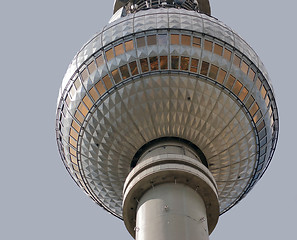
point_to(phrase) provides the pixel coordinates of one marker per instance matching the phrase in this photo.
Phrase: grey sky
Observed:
(39, 200)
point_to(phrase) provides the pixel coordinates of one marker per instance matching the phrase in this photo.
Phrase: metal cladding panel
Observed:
(166, 72)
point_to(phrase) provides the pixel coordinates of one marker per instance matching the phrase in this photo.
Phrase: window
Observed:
(87, 101)
(237, 87)
(254, 109)
(236, 61)
(244, 92)
(230, 82)
(196, 42)
(67, 100)
(249, 102)
(116, 76)
(94, 94)
(72, 151)
(125, 72)
(257, 116)
(194, 65)
(100, 88)
(72, 142)
(140, 42)
(227, 54)
(258, 83)
(184, 64)
(162, 39)
(244, 67)
(221, 76)
(84, 74)
(186, 40)
(129, 45)
(163, 62)
(154, 63)
(72, 91)
(119, 49)
(144, 65)
(204, 68)
(133, 68)
(99, 61)
(92, 67)
(75, 126)
(263, 92)
(218, 49)
(251, 74)
(208, 45)
(174, 39)
(151, 40)
(109, 54)
(107, 82)
(73, 134)
(213, 72)
(77, 83)
(82, 108)
(73, 159)
(174, 62)
(79, 116)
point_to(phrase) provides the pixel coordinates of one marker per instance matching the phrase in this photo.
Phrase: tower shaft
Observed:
(170, 194)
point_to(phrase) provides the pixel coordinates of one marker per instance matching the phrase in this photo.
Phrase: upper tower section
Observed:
(131, 6)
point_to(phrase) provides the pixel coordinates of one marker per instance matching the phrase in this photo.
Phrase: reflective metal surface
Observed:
(160, 73)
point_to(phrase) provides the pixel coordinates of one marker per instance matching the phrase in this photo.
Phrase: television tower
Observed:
(166, 118)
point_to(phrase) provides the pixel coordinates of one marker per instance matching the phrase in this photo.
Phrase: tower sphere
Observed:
(167, 73)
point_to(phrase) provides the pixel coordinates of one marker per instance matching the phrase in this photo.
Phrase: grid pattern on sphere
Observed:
(135, 55)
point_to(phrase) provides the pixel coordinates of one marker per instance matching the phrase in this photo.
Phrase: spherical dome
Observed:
(166, 73)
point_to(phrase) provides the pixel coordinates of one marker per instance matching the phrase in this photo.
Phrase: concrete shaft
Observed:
(171, 211)
(170, 194)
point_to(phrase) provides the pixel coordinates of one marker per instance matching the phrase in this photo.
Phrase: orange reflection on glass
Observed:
(109, 54)
(196, 42)
(221, 76)
(261, 126)
(236, 61)
(73, 134)
(204, 68)
(83, 109)
(186, 40)
(119, 49)
(254, 109)
(251, 74)
(194, 65)
(72, 142)
(213, 72)
(244, 67)
(257, 116)
(75, 126)
(88, 102)
(163, 62)
(227, 54)
(263, 92)
(73, 159)
(249, 102)
(154, 63)
(99, 61)
(129, 45)
(94, 94)
(72, 151)
(244, 92)
(125, 72)
(218, 49)
(107, 82)
(258, 83)
(174, 62)
(133, 68)
(151, 40)
(144, 65)
(237, 87)
(174, 39)
(208, 45)
(91, 67)
(100, 88)
(184, 64)
(230, 82)
(267, 100)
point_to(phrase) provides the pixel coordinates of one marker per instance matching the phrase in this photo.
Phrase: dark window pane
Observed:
(194, 65)
(154, 63)
(124, 71)
(184, 64)
(174, 62)
(213, 72)
(163, 62)
(204, 68)
(140, 42)
(133, 68)
(144, 65)
(152, 40)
